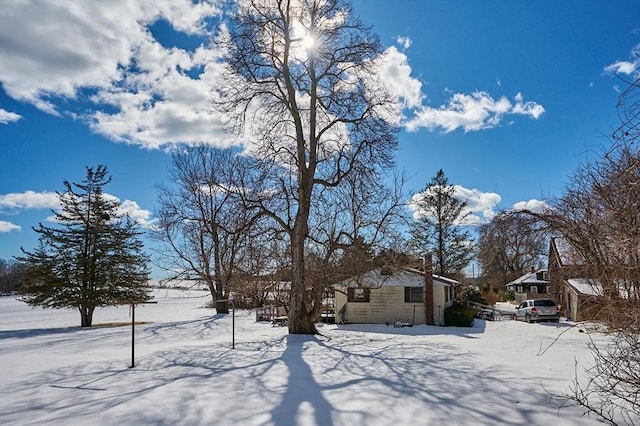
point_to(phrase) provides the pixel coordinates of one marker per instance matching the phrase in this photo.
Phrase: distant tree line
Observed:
(11, 275)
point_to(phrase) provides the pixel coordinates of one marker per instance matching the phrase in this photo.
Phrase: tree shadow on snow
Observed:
(375, 375)
(441, 377)
(474, 331)
(33, 332)
(302, 401)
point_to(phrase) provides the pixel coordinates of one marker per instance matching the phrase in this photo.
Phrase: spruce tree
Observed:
(93, 256)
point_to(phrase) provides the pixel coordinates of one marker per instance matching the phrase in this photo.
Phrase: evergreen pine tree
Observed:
(92, 258)
(439, 227)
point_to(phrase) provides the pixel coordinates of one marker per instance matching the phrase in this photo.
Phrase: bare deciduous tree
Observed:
(11, 275)
(204, 225)
(352, 224)
(302, 89)
(263, 272)
(508, 245)
(599, 216)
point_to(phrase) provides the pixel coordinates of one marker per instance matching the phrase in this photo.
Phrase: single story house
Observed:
(530, 285)
(386, 295)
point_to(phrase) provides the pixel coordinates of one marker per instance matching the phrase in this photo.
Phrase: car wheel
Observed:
(528, 319)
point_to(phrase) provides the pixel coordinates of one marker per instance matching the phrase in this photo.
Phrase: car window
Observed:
(544, 302)
(523, 305)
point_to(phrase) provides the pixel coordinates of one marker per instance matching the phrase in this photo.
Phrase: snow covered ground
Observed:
(186, 372)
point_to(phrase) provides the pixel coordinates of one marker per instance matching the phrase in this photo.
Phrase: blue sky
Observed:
(507, 97)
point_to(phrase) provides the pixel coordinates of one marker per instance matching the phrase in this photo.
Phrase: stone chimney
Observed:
(428, 288)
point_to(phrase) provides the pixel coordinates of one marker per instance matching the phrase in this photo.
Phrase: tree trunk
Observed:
(86, 316)
(222, 306)
(217, 295)
(300, 320)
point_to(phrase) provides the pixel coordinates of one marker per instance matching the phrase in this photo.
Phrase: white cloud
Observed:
(134, 211)
(481, 206)
(55, 49)
(30, 200)
(623, 67)
(148, 94)
(532, 205)
(395, 73)
(50, 200)
(476, 111)
(8, 226)
(404, 42)
(530, 109)
(8, 116)
(629, 67)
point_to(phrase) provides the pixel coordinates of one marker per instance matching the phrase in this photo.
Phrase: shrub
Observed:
(509, 296)
(491, 297)
(470, 294)
(459, 316)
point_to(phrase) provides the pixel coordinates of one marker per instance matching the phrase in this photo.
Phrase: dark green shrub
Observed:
(470, 294)
(509, 296)
(459, 316)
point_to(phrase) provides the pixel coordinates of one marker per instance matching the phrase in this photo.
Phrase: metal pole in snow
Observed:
(233, 321)
(133, 328)
(133, 332)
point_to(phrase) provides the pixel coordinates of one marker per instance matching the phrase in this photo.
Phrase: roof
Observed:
(444, 281)
(593, 287)
(530, 278)
(398, 278)
(566, 252)
(586, 286)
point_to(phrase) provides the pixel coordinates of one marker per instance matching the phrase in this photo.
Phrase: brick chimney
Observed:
(428, 288)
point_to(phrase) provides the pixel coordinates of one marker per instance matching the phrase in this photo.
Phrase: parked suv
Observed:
(538, 310)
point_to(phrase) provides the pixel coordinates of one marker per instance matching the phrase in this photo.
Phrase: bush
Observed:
(470, 294)
(491, 297)
(459, 316)
(509, 296)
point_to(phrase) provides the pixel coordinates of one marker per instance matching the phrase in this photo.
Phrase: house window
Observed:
(413, 295)
(534, 289)
(448, 294)
(358, 295)
(519, 289)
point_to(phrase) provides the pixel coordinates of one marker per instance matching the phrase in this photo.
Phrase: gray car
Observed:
(538, 310)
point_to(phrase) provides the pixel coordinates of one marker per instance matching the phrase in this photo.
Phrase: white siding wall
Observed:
(341, 304)
(440, 302)
(386, 304)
